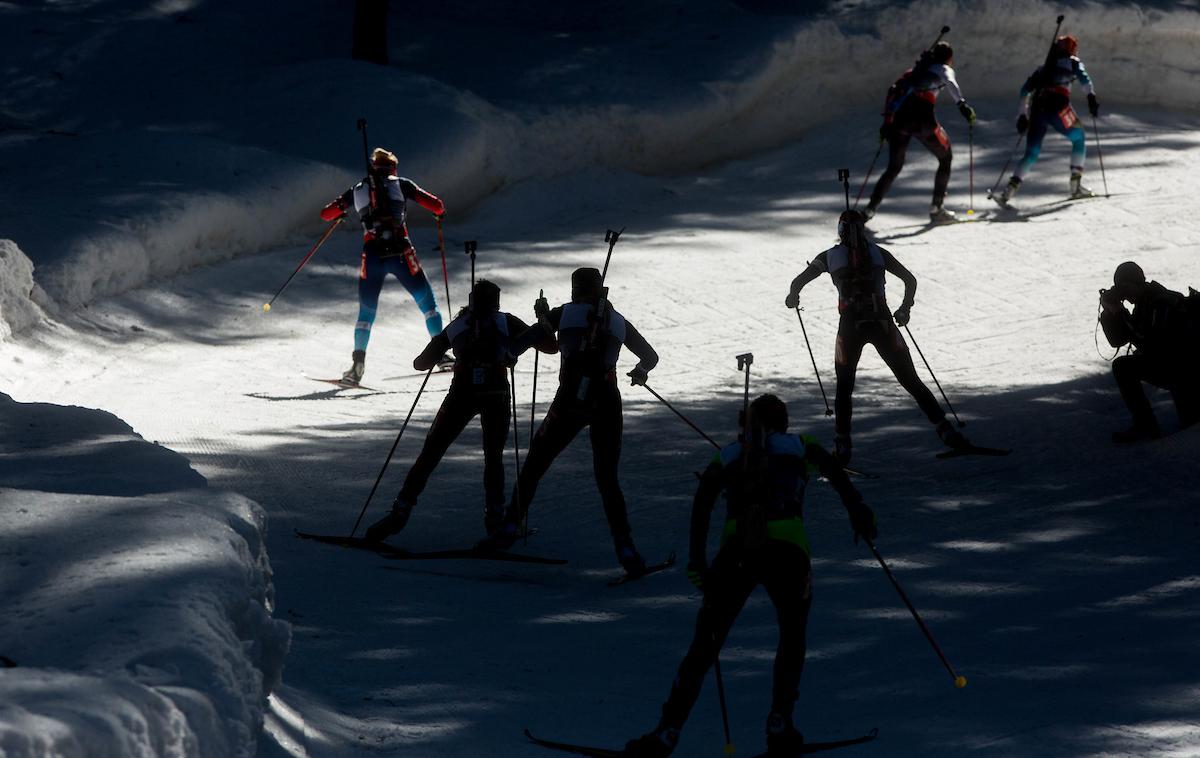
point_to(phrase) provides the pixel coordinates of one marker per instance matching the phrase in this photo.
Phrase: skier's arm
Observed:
(896, 268)
(422, 198)
(545, 343)
(861, 517)
(1082, 75)
(433, 352)
(337, 208)
(818, 266)
(637, 344)
(541, 333)
(702, 506)
(946, 74)
(1027, 91)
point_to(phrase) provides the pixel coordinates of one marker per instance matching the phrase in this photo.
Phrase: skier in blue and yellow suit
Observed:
(763, 542)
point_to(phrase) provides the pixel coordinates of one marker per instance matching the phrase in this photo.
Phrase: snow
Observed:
(1060, 580)
(138, 600)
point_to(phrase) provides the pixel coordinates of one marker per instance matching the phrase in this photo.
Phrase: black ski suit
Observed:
(587, 396)
(865, 319)
(1168, 351)
(777, 557)
(909, 114)
(479, 387)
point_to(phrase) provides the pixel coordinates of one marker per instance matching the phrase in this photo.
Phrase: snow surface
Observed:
(1061, 580)
(137, 601)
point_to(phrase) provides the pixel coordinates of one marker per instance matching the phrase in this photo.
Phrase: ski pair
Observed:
(599, 752)
(653, 568)
(399, 554)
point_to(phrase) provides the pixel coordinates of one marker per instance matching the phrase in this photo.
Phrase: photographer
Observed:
(1164, 333)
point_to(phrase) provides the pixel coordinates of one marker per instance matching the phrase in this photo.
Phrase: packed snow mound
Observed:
(137, 625)
(19, 294)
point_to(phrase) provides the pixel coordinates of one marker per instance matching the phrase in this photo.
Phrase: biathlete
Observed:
(763, 542)
(858, 267)
(381, 202)
(590, 335)
(1046, 103)
(481, 337)
(909, 113)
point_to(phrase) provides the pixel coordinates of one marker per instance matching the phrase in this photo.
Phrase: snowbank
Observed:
(139, 625)
(18, 293)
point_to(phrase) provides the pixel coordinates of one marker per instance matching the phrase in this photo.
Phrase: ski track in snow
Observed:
(1061, 580)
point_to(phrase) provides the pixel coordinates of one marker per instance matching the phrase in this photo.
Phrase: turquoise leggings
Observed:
(1037, 132)
(407, 269)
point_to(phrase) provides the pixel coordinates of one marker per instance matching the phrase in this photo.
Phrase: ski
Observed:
(860, 474)
(818, 747)
(651, 569)
(344, 384)
(601, 752)
(566, 747)
(958, 452)
(399, 554)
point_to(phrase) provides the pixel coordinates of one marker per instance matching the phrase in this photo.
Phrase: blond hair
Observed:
(379, 157)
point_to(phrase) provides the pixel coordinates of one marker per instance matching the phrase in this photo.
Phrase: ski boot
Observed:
(1010, 189)
(842, 449)
(502, 538)
(1142, 429)
(656, 744)
(493, 518)
(357, 369)
(392, 523)
(939, 215)
(1077, 189)
(782, 738)
(445, 363)
(631, 560)
(951, 437)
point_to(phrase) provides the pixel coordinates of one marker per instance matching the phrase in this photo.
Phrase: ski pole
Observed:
(992, 190)
(867, 176)
(844, 178)
(445, 273)
(469, 248)
(512, 374)
(682, 417)
(533, 395)
(311, 253)
(961, 423)
(1100, 155)
(971, 169)
(959, 681)
(807, 344)
(744, 361)
(729, 748)
(391, 452)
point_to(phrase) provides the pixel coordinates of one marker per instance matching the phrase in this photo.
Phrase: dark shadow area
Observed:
(55, 448)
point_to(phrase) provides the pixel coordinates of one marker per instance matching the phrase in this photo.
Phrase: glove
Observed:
(1093, 105)
(333, 211)
(1022, 124)
(967, 112)
(697, 571)
(541, 308)
(638, 376)
(862, 519)
(509, 359)
(439, 216)
(885, 131)
(901, 315)
(792, 300)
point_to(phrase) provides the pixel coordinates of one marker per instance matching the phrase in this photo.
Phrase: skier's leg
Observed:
(845, 365)
(938, 142)
(557, 430)
(787, 577)
(897, 147)
(456, 412)
(370, 282)
(605, 432)
(894, 351)
(726, 588)
(494, 416)
(412, 276)
(1033, 145)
